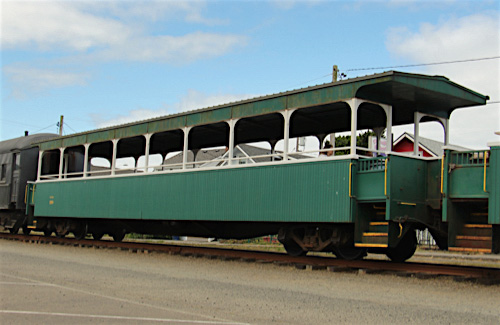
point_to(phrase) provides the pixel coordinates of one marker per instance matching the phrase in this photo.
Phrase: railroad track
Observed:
(483, 275)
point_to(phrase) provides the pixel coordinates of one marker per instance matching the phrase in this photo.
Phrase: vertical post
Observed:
(146, 152)
(185, 148)
(39, 170)
(446, 132)
(416, 137)
(388, 113)
(113, 160)
(286, 135)
(354, 104)
(232, 124)
(61, 121)
(335, 73)
(86, 160)
(61, 162)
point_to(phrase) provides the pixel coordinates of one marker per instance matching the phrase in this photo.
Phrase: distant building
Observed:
(426, 148)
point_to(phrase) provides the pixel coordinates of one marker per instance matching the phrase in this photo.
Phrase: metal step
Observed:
(474, 238)
(467, 249)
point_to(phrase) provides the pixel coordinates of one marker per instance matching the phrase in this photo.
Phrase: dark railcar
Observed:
(18, 165)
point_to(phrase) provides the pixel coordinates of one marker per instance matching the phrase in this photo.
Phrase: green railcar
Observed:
(207, 182)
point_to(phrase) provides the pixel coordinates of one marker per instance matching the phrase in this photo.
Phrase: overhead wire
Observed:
(423, 64)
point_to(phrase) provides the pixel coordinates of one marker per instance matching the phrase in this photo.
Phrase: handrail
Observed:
(25, 194)
(442, 175)
(385, 178)
(350, 179)
(484, 178)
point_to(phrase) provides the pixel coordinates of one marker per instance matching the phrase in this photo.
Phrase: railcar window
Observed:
(129, 150)
(205, 141)
(74, 158)
(256, 137)
(3, 173)
(99, 158)
(50, 164)
(165, 150)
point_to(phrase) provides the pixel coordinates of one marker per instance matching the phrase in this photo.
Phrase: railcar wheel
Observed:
(118, 235)
(62, 229)
(47, 233)
(293, 249)
(14, 230)
(26, 230)
(349, 253)
(405, 249)
(81, 231)
(97, 235)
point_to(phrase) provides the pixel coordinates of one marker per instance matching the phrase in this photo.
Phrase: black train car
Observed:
(18, 165)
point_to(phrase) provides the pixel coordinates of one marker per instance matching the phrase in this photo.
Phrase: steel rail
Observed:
(482, 274)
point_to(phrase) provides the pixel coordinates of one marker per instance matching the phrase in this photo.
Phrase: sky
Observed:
(103, 63)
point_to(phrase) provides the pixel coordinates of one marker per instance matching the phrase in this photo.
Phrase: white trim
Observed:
(226, 167)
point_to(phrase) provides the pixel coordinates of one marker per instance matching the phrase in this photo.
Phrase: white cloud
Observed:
(25, 80)
(110, 30)
(57, 25)
(471, 37)
(173, 49)
(192, 100)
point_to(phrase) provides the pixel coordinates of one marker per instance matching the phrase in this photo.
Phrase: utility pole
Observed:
(61, 121)
(335, 73)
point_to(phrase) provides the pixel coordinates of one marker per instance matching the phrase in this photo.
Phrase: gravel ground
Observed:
(61, 284)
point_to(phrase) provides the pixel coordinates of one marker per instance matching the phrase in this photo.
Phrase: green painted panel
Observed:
(321, 96)
(315, 191)
(369, 186)
(407, 188)
(208, 117)
(266, 106)
(74, 141)
(131, 131)
(494, 186)
(53, 144)
(467, 182)
(166, 125)
(101, 136)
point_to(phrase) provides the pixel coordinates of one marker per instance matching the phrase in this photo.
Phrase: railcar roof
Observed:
(406, 92)
(24, 142)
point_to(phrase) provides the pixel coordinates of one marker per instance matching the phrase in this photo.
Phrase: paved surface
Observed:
(41, 284)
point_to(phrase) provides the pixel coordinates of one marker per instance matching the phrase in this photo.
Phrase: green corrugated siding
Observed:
(167, 124)
(217, 115)
(308, 192)
(131, 131)
(53, 144)
(74, 141)
(100, 136)
(266, 106)
(321, 96)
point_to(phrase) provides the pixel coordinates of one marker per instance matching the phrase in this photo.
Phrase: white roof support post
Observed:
(113, 160)
(61, 162)
(185, 148)
(286, 132)
(354, 104)
(146, 153)
(39, 170)
(86, 160)
(446, 125)
(388, 114)
(416, 127)
(232, 124)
